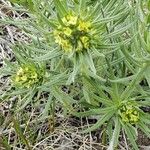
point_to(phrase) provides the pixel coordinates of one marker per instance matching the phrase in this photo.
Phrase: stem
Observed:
(104, 136)
(52, 117)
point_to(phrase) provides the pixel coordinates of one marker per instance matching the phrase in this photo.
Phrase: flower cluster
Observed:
(74, 34)
(26, 76)
(129, 114)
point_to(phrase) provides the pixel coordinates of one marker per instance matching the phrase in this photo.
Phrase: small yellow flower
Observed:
(72, 20)
(75, 33)
(17, 79)
(67, 31)
(57, 36)
(20, 71)
(66, 45)
(64, 20)
(79, 46)
(84, 26)
(129, 114)
(58, 40)
(26, 76)
(56, 32)
(85, 41)
(124, 117)
(34, 75)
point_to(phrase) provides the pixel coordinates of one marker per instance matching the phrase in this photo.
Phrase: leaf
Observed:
(148, 4)
(114, 141)
(82, 6)
(100, 122)
(20, 134)
(102, 100)
(96, 111)
(55, 80)
(120, 30)
(62, 10)
(27, 99)
(4, 142)
(144, 128)
(96, 11)
(129, 89)
(26, 3)
(110, 18)
(18, 92)
(47, 107)
(86, 94)
(64, 98)
(48, 56)
(76, 68)
(130, 136)
(147, 75)
(122, 80)
(89, 61)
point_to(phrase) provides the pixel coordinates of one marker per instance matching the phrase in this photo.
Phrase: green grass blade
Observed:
(48, 56)
(4, 143)
(114, 141)
(100, 122)
(62, 10)
(130, 136)
(20, 134)
(96, 111)
(144, 128)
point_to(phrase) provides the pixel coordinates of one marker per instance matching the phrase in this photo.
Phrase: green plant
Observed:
(120, 108)
(101, 46)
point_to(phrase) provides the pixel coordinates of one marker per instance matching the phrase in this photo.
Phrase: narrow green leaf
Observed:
(60, 8)
(48, 56)
(144, 128)
(47, 107)
(27, 100)
(4, 142)
(114, 141)
(96, 111)
(100, 122)
(135, 81)
(130, 136)
(74, 73)
(89, 61)
(20, 134)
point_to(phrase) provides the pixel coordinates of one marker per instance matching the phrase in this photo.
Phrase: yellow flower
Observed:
(79, 46)
(23, 78)
(67, 31)
(64, 20)
(20, 71)
(58, 39)
(124, 117)
(26, 76)
(70, 20)
(66, 45)
(34, 75)
(57, 36)
(85, 41)
(17, 79)
(74, 34)
(84, 26)
(129, 114)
